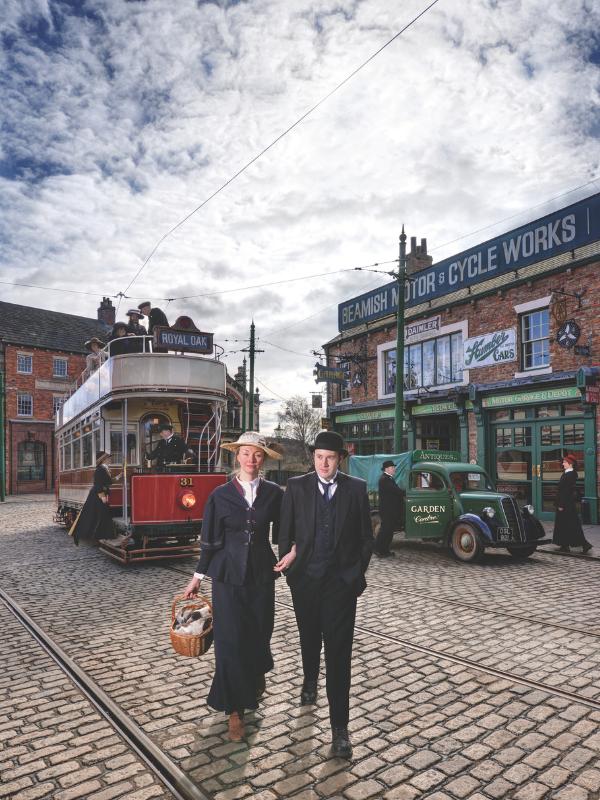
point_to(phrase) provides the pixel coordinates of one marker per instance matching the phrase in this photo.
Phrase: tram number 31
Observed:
(185, 482)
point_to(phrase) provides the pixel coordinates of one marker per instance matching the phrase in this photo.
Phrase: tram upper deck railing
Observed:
(146, 371)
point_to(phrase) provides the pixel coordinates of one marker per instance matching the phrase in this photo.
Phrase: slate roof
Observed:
(52, 330)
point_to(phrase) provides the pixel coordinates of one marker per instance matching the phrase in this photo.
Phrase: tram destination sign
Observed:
(184, 341)
(564, 230)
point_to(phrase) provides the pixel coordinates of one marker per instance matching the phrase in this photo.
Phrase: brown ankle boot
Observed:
(236, 726)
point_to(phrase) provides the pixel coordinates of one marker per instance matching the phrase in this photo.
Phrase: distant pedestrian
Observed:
(94, 521)
(93, 359)
(567, 525)
(391, 509)
(236, 554)
(325, 544)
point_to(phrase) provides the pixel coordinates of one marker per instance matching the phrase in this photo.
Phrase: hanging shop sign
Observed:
(568, 334)
(325, 374)
(544, 238)
(541, 396)
(490, 348)
(592, 394)
(183, 340)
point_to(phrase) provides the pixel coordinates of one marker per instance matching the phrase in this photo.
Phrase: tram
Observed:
(119, 408)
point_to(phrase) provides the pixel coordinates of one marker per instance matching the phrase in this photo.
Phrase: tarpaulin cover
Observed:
(369, 468)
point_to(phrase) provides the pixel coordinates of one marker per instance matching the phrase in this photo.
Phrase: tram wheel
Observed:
(465, 543)
(522, 552)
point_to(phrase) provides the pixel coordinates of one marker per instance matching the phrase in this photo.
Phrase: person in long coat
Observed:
(94, 521)
(325, 545)
(156, 316)
(391, 509)
(235, 552)
(567, 525)
(170, 450)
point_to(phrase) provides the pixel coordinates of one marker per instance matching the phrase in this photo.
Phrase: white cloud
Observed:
(122, 119)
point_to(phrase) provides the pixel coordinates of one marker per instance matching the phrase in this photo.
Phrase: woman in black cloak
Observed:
(94, 521)
(236, 554)
(567, 525)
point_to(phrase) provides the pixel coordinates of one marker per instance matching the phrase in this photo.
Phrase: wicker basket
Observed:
(191, 644)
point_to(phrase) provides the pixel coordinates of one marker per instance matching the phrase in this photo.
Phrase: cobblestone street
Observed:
(431, 715)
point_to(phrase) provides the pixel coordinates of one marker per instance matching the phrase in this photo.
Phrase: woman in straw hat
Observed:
(236, 554)
(94, 521)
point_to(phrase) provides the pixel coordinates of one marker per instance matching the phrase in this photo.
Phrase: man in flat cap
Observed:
(156, 316)
(391, 509)
(170, 450)
(325, 543)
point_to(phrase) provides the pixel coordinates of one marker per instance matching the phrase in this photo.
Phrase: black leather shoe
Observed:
(308, 695)
(340, 743)
(587, 546)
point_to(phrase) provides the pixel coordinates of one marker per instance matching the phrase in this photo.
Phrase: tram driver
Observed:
(171, 449)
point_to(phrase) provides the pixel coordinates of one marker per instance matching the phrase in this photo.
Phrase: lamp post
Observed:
(399, 408)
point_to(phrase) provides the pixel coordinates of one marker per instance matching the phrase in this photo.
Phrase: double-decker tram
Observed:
(119, 408)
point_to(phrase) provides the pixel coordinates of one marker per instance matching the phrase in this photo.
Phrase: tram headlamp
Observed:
(187, 499)
(529, 509)
(489, 512)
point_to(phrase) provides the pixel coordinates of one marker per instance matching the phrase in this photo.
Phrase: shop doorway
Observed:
(437, 433)
(526, 454)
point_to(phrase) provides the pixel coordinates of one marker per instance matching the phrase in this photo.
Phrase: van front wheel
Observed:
(465, 542)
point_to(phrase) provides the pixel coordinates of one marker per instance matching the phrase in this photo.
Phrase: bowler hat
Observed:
(329, 440)
(145, 303)
(165, 427)
(387, 464)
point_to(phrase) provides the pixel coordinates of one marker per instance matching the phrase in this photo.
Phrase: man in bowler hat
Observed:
(170, 450)
(391, 509)
(325, 544)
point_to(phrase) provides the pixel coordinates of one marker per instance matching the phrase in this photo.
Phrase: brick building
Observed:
(501, 357)
(42, 354)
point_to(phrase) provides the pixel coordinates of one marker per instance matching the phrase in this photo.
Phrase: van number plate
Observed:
(504, 534)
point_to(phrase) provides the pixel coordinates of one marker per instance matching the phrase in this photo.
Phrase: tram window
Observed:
(67, 457)
(97, 440)
(77, 453)
(86, 449)
(149, 430)
(426, 480)
(116, 448)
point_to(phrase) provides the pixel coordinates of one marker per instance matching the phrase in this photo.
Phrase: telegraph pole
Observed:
(244, 396)
(399, 409)
(2, 461)
(252, 352)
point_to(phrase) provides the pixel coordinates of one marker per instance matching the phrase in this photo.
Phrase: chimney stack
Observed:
(106, 311)
(417, 259)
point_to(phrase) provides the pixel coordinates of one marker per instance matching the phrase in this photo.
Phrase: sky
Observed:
(120, 118)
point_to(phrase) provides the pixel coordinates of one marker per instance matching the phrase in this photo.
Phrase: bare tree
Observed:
(301, 422)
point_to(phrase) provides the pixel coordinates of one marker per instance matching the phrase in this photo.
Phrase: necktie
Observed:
(327, 487)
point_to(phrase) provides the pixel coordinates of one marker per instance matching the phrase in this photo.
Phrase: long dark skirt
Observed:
(243, 624)
(95, 521)
(567, 529)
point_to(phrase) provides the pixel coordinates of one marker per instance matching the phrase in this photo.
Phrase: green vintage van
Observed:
(456, 504)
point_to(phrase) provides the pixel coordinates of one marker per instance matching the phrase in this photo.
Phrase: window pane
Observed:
(514, 465)
(535, 331)
(415, 366)
(24, 363)
(523, 436)
(76, 452)
(87, 450)
(116, 452)
(444, 369)
(457, 356)
(60, 367)
(68, 457)
(550, 434)
(30, 461)
(389, 370)
(24, 405)
(429, 363)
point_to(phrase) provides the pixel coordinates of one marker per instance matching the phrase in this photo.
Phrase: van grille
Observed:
(514, 519)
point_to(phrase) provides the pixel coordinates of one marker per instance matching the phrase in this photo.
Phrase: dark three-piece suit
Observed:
(334, 541)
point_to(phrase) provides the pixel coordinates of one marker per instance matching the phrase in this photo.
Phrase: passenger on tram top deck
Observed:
(156, 316)
(93, 359)
(135, 328)
(118, 340)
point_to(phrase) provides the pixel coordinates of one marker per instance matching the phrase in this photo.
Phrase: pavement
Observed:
(592, 534)
(444, 703)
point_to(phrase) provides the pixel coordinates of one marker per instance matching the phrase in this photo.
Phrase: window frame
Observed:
(25, 371)
(20, 396)
(524, 342)
(60, 360)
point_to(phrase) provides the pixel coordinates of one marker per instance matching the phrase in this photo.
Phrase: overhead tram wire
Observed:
(276, 141)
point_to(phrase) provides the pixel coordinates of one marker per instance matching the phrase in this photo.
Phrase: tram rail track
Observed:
(573, 697)
(168, 773)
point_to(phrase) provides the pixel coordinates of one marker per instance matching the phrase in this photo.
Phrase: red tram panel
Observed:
(164, 498)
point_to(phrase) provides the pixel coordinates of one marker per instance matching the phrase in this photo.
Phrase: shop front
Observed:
(527, 435)
(438, 426)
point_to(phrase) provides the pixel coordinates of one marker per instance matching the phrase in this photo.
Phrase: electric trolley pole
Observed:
(399, 409)
(244, 396)
(252, 352)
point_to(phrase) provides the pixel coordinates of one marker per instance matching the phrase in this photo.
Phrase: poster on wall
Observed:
(490, 348)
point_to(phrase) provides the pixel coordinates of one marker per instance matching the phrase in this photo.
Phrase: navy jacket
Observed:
(353, 534)
(235, 536)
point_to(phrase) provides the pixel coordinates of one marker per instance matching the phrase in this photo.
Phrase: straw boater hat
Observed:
(252, 439)
(134, 312)
(89, 342)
